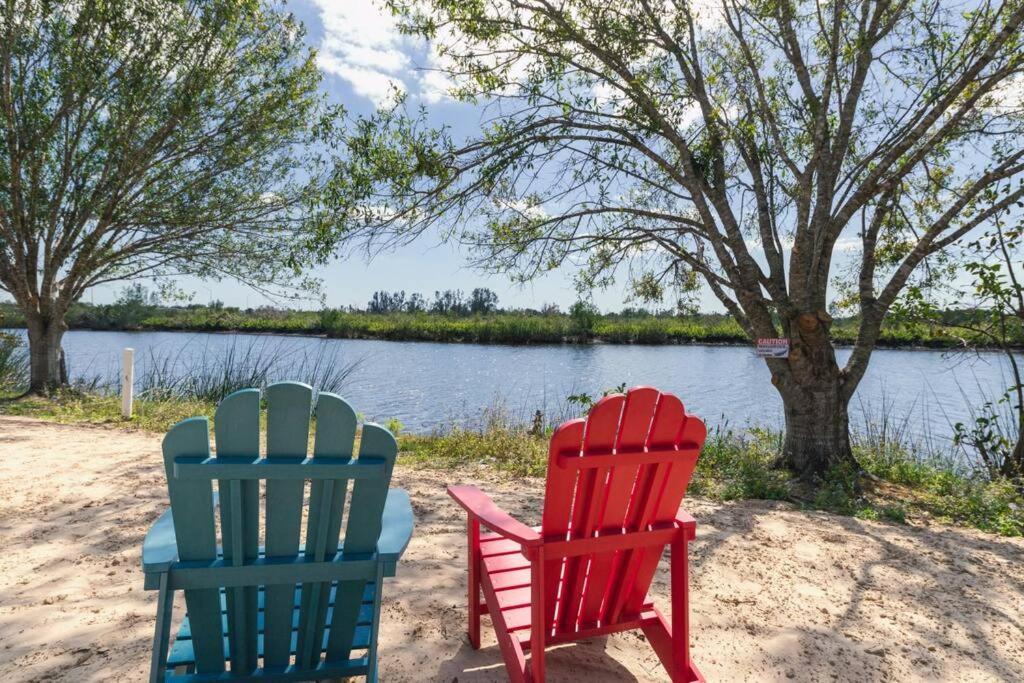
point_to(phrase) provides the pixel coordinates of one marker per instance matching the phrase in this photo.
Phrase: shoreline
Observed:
(916, 345)
(904, 485)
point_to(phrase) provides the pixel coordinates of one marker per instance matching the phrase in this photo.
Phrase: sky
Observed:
(362, 56)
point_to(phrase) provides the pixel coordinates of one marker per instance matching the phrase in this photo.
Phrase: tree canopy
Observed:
(782, 153)
(154, 138)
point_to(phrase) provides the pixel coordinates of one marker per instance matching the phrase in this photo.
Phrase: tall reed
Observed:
(185, 374)
(13, 363)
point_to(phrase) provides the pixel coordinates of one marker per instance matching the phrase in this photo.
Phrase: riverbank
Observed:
(901, 485)
(521, 327)
(777, 592)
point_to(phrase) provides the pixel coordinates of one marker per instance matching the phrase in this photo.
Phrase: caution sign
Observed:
(772, 348)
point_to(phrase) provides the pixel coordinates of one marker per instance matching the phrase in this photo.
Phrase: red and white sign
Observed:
(772, 348)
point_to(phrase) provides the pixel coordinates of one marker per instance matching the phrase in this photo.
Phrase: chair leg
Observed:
(371, 655)
(683, 669)
(680, 608)
(537, 628)
(473, 630)
(162, 634)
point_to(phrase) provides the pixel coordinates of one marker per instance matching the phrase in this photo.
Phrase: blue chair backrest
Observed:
(262, 617)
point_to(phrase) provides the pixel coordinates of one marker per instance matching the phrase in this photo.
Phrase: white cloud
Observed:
(606, 94)
(526, 208)
(435, 84)
(362, 45)
(1009, 95)
(688, 115)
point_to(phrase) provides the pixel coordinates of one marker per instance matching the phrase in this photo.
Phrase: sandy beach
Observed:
(778, 593)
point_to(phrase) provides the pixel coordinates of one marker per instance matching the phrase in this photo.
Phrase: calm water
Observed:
(426, 385)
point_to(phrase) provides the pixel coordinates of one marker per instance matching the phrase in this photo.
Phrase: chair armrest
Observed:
(684, 520)
(480, 506)
(160, 548)
(396, 529)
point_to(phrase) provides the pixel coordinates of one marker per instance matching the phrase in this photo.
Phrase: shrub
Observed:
(736, 466)
(584, 318)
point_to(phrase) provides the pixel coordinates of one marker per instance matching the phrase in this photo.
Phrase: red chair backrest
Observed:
(650, 448)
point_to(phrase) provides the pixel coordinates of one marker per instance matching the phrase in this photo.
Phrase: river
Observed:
(431, 385)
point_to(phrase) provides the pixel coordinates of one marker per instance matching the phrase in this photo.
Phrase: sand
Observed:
(778, 593)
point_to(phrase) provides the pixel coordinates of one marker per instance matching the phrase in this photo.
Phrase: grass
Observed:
(510, 327)
(253, 362)
(77, 407)
(738, 466)
(938, 490)
(900, 485)
(498, 444)
(13, 361)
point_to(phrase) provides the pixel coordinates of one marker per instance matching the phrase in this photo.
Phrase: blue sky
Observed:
(362, 56)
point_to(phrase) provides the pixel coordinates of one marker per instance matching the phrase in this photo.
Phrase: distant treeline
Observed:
(452, 316)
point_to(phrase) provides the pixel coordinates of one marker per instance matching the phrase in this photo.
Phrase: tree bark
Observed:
(47, 368)
(815, 399)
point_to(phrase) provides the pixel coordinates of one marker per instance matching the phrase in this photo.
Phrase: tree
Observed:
(449, 302)
(483, 300)
(550, 309)
(584, 317)
(416, 303)
(386, 302)
(147, 139)
(132, 305)
(767, 149)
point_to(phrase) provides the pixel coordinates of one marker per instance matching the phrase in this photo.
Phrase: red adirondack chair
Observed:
(615, 483)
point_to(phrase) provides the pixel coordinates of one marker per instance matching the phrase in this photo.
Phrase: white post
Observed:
(127, 382)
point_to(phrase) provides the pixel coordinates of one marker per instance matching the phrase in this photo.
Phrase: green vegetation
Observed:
(900, 480)
(13, 365)
(900, 485)
(632, 326)
(499, 444)
(70, 406)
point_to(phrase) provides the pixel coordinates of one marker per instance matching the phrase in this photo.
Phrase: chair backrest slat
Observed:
(581, 502)
(677, 478)
(288, 414)
(361, 534)
(335, 438)
(237, 433)
(558, 496)
(192, 504)
(591, 487)
(637, 414)
(669, 417)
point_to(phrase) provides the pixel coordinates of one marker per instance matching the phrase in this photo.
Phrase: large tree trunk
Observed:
(815, 400)
(48, 370)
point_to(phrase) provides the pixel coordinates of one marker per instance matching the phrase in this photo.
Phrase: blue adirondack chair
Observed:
(285, 610)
